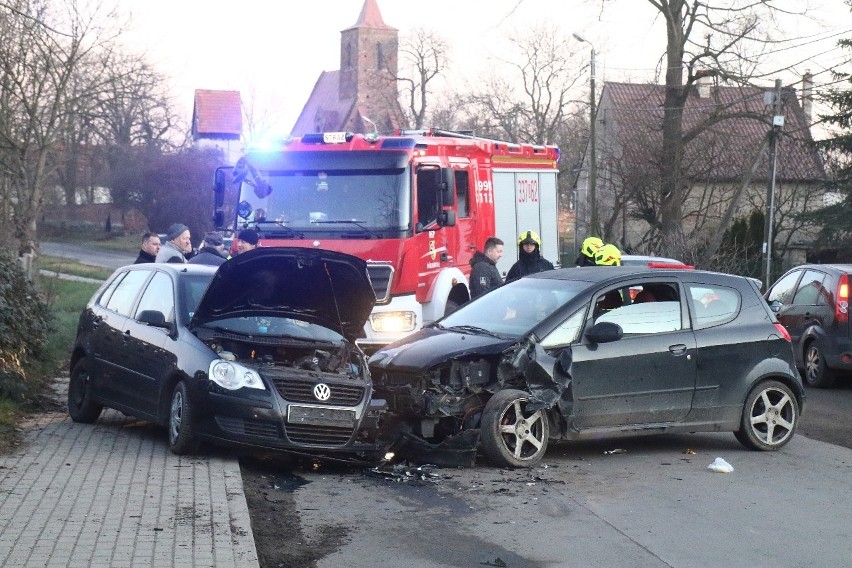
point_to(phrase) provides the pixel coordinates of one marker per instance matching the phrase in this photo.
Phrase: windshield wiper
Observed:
(288, 232)
(473, 330)
(357, 223)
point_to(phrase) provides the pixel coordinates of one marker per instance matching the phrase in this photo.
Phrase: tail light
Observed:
(784, 333)
(841, 304)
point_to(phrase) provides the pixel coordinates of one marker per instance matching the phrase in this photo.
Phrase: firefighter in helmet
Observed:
(608, 255)
(529, 257)
(587, 251)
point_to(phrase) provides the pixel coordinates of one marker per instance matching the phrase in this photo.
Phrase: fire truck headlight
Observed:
(393, 322)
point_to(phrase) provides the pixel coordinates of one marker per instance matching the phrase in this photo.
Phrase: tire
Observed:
(450, 307)
(816, 373)
(770, 417)
(511, 436)
(182, 439)
(81, 407)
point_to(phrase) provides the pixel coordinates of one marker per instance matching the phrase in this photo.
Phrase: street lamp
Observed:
(593, 165)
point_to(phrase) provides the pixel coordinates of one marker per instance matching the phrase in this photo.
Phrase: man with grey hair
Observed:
(212, 250)
(177, 245)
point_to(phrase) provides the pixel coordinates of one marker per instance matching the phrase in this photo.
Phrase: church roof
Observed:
(371, 17)
(325, 110)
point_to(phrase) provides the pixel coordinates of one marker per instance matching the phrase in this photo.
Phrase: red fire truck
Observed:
(415, 206)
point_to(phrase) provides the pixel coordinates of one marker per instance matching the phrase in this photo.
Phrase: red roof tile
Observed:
(217, 114)
(634, 112)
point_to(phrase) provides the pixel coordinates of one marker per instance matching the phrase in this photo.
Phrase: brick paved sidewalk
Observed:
(111, 494)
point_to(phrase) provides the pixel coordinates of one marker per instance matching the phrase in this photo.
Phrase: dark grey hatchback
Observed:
(588, 352)
(260, 353)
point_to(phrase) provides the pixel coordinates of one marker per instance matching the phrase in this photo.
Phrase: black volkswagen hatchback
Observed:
(588, 352)
(260, 353)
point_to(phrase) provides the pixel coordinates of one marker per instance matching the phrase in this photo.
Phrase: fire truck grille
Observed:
(318, 435)
(301, 390)
(381, 275)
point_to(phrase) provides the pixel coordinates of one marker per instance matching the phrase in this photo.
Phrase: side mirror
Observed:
(219, 183)
(219, 219)
(447, 219)
(153, 318)
(448, 184)
(605, 332)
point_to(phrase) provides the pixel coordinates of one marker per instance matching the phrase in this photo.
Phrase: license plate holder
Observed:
(320, 416)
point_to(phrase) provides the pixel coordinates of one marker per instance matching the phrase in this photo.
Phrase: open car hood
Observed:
(323, 287)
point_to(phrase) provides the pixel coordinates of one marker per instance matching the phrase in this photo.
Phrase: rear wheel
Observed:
(770, 416)
(181, 436)
(817, 374)
(81, 407)
(511, 436)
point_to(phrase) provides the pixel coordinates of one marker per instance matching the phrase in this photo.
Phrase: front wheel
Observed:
(817, 373)
(81, 407)
(770, 416)
(182, 439)
(511, 436)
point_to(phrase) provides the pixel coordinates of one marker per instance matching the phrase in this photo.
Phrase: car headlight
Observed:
(391, 322)
(233, 376)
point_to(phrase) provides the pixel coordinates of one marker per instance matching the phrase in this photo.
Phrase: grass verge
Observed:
(66, 300)
(103, 241)
(66, 266)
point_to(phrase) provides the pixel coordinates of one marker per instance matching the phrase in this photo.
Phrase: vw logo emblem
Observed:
(322, 392)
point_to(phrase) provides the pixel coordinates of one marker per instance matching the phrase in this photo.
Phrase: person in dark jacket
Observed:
(484, 275)
(212, 250)
(150, 248)
(588, 249)
(529, 257)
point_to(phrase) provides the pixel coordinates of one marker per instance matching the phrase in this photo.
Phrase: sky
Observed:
(274, 51)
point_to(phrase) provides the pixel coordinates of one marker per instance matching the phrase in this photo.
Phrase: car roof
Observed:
(596, 274)
(173, 267)
(838, 267)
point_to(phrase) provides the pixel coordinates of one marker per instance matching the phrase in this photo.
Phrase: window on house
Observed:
(380, 57)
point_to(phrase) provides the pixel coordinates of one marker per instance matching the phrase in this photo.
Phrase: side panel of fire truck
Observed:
(525, 200)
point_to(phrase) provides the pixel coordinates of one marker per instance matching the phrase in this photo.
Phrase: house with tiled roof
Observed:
(217, 121)
(726, 160)
(362, 96)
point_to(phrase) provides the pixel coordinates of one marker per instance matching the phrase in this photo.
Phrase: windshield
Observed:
(276, 327)
(333, 192)
(514, 309)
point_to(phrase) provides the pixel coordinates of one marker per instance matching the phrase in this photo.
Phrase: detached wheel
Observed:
(81, 407)
(511, 436)
(817, 374)
(182, 439)
(770, 417)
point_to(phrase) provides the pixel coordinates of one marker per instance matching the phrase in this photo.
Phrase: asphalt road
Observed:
(86, 255)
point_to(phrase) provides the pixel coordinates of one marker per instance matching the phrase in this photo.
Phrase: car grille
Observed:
(318, 435)
(248, 427)
(302, 390)
(381, 276)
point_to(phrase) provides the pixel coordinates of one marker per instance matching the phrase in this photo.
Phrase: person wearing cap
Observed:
(587, 251)
(212, 250)
(248, 239)
(150, 248)
(529, 257)
(608, 255)
(177, 245)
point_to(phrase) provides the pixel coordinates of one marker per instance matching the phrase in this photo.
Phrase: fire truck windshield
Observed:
(329, 199)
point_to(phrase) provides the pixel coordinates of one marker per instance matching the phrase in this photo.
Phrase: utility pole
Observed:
(593, 159)
(774, 135)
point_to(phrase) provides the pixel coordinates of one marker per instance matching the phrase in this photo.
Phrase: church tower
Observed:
(369, 66)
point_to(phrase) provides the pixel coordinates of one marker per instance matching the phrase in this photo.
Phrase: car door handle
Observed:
(678, 349)
(126, 336)
(96, 321)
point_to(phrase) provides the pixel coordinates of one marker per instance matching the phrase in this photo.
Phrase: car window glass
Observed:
(158, 296)
(811, 291)
(122, 298)
(783, 290)
(193, 288)
(567, 331)
(712, 305)
(104, 299)
(645, 317)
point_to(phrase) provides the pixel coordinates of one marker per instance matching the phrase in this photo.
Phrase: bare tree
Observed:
(38, 68)
(423, 57)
